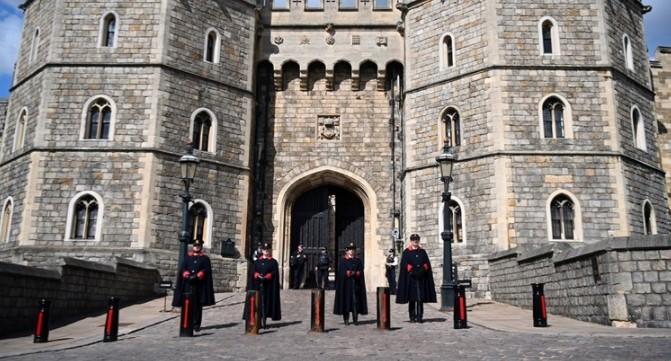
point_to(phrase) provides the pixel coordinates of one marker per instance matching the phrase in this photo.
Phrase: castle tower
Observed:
(106, 98)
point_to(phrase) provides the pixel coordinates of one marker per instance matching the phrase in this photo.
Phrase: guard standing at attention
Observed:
(350, 294)
(265, 279)
(415, 281)
(196, 273)
(322, 268)
(297, 263)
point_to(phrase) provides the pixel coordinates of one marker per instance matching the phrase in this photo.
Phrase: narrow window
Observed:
(649, 222)
(456, 222)
(85, 218)
(211, 47)
(6, 220)
(35, 46)
(21, 129)
(562, 214)
(98, 120)
(547, 36)
(452, 123)
(197, 222)
(448, 51)
(109, 31)
(628, 54)
(553, 118)
(201, 131)
(638, 129)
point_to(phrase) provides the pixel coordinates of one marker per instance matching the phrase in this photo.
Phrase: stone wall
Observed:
(661, 76)
(76, 289)
(620, 281)
(3, 115)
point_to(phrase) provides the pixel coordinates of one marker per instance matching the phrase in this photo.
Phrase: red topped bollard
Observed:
(317, 311)
(42, 323)
(383, 309)
(112, 320)
(539, 307)
(186, 317)
(252, 313)
(460, 315)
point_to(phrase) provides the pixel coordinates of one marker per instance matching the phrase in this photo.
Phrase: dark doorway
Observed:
(330, 217)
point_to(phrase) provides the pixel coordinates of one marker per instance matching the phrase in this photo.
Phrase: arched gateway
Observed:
(328, 207)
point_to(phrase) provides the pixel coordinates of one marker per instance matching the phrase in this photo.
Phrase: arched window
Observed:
(98, 119)
(203, 131)
(6, 221)
(548, 36)
(456, 219)
(628, 54)
(452, 126)
(212, 45)
(108, 31)
(21, 123)
(447, 51)
(200, 222)
(562, 215)
(85, 218)
(553, 118)
(34, 47)
(638, 128)
(649, 220)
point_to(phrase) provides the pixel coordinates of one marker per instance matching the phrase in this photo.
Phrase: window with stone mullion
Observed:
(456, 223)
(86, 216)
(100, 117)
(553, 118)
(197, 219)
(201, 132)
(452, 128)
(110, 30)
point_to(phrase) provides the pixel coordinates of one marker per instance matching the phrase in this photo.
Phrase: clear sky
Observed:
(657, 30)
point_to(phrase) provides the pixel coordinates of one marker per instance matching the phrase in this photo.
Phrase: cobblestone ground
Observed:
(222, 338)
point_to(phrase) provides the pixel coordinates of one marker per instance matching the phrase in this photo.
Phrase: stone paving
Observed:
(222, 338)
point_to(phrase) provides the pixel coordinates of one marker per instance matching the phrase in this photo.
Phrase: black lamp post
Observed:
(188, 164)
(446, 163)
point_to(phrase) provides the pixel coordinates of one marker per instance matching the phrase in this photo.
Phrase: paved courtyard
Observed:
(222, 338)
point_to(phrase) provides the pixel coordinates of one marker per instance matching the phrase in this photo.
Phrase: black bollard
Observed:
(112, 320)
(460, 315)
(42, 324)
(186, 317)
(253, 316)
(539, 306)
(317, 312)
(383, 309)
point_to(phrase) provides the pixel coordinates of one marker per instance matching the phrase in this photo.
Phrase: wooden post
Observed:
(317, 312)
(383, 309)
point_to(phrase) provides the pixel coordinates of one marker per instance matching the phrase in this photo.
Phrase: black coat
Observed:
(347, 288)
(203, 289)
(269, 285)
(415, 283)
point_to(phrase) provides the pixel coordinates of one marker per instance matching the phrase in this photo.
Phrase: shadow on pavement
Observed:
(223, 325)
(284, 324)
(367, 322)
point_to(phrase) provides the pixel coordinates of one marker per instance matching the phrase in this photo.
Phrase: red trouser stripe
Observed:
(252, 311)
(462, 308)
(185, 324)
(543, 311)
(40, 321)
(108, 322)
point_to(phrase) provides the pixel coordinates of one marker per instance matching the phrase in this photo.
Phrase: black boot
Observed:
(263, 323)
(420, 312)
(411, 310)
(345, 318)
(355, 318)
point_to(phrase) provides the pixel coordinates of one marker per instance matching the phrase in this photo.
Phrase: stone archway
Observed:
(373, 253)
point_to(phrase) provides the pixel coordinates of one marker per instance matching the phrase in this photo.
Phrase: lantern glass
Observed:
(446, 162)
(188, 164)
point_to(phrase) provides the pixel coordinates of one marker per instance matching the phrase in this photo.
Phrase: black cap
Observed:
(267, 245)
(414, 236)
(198, 242)
(351, 245)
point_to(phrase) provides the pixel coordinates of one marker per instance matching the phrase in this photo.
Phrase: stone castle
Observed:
(318, 122)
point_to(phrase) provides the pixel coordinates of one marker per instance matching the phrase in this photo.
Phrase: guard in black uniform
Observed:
(322, 268)
(196, 273)
(297, 264)
(350, 294)
(265, 279)
(415, 281)
(391, 263)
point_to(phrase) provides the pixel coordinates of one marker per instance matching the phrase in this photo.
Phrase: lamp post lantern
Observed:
(188, 165)
(446, 162)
